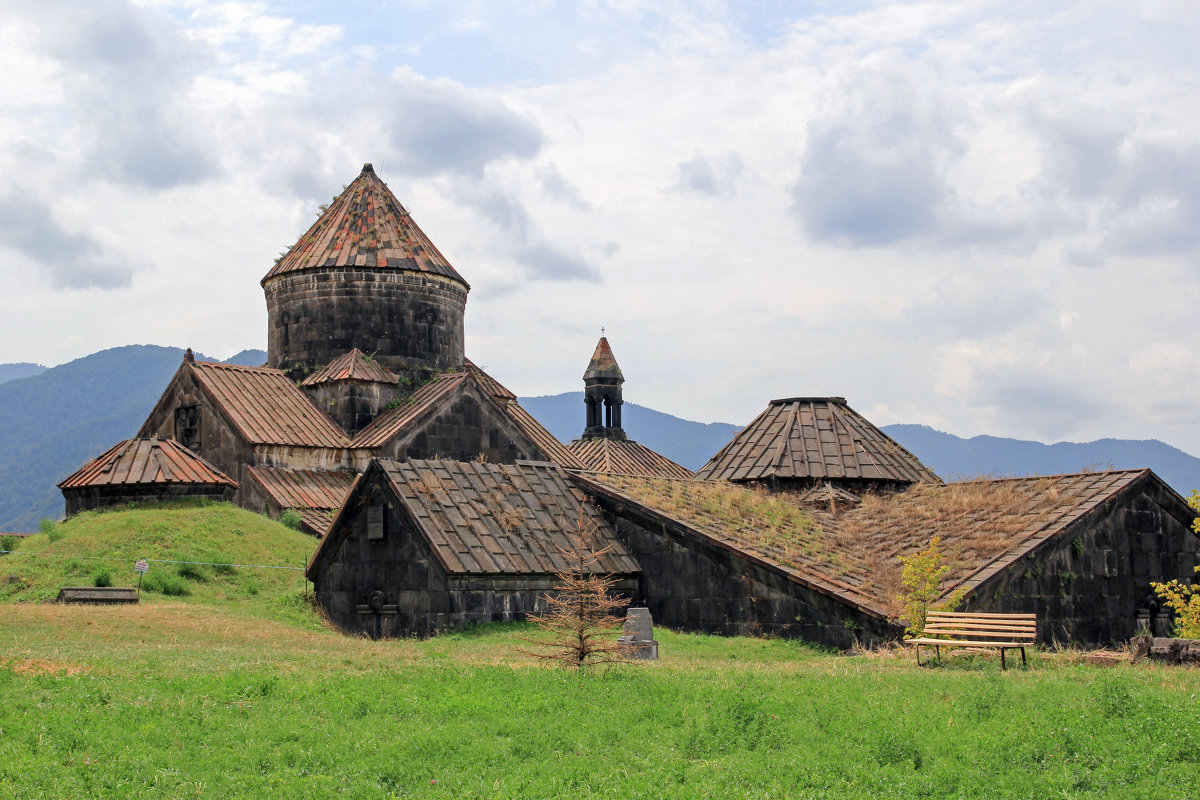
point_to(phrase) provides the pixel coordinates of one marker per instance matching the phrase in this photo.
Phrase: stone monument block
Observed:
(638, 642)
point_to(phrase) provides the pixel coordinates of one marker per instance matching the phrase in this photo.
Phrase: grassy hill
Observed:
(187, 545)
(234, 689)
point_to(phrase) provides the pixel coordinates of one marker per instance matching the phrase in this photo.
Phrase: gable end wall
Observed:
(1090, 583)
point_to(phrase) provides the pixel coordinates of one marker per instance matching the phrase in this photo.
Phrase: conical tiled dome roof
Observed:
(365, 226)
(603, 364)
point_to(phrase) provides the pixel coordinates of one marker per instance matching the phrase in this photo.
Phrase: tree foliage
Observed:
(1181, 598)
(581, 615)
(921, 577)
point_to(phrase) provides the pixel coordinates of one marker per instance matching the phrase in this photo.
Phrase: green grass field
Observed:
(227, 692)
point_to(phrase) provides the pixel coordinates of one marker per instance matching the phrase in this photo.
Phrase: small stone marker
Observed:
(97, 595)
(638, 642)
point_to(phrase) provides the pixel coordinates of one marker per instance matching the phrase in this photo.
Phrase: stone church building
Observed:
(439, 501)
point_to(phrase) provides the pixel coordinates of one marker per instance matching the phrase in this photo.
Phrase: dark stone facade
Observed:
(411, 322)
(211, 436)
(471, 427)
(692, 584)
(352, 404)
(1090, 583)
(388, 582)
(90, 498)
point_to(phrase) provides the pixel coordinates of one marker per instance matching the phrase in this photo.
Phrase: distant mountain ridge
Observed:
(955, 458)
(53, 421)
(689, 444)
(24, 369)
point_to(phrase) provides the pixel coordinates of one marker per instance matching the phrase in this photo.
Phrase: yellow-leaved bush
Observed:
(1184, 600)
(921, 577)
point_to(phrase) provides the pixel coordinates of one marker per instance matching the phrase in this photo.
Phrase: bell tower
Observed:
(602, 395)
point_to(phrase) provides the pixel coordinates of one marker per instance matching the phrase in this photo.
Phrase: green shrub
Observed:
(157, 580)
(8, 543)
(222, 563)
(52, 529)
(290, 518)
(192, 572)
(102, 577)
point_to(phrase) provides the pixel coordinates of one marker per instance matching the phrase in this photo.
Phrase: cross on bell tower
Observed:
(602, 394)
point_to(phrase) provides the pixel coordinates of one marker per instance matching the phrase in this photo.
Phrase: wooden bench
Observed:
(1001, 631)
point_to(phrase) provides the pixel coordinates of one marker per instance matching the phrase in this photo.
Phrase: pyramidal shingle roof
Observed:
(365, 226)
(603, 363)
(818, 438)
(353, 366)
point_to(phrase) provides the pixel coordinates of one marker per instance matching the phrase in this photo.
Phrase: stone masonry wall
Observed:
(471, 426)
(691, 584)
(415, 595)
(406, 320)
(220, 444)
(90, 498)
(1090, 584)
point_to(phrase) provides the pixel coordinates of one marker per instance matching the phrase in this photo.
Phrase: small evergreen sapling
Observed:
(581, 612)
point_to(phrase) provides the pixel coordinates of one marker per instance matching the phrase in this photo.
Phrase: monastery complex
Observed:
(435, 500)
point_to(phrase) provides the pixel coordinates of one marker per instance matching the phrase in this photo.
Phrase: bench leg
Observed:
(1023, 664)
(1002, 666)
(919, 664)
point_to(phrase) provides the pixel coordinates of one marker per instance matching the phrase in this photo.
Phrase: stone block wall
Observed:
(691, 584)
(406, 320)
(90, 498)
(1090, 584)
(471, 426)
(391, 583)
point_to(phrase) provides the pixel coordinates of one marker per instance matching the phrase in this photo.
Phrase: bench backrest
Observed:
(1017, 628)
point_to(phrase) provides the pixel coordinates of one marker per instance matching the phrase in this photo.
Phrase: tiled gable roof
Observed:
(353, 366)
(266, 407)
(818, 438)
(303, 488)
(495, 518)
(146, 461)
(625, 457)
(365, 226)
(985, 526)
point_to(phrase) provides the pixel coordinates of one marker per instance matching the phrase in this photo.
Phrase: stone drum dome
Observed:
(365, 276)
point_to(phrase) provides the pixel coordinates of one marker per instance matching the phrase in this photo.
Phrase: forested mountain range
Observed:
(53, 420)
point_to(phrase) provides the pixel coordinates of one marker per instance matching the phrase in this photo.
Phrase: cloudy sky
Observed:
(981, 216)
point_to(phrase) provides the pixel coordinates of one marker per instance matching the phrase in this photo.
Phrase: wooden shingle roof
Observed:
(625, 457)
(146, 461)
(818, 438)
(353, 366)
(985, 526)
(365, 226)
(266, 407)
(493, 519)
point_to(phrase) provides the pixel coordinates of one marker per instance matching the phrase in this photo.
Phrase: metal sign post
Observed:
(141, 567)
